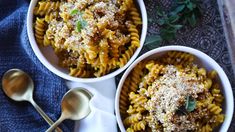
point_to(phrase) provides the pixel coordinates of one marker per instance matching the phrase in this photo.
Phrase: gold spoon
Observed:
(75, 106)
(18, 86)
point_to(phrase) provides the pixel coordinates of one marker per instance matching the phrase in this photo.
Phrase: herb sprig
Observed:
(189, 106)
(186, 12)
(80, 23)
(190, 12)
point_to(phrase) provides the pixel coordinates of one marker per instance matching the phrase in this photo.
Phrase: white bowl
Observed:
(202, 60)
(48, 58)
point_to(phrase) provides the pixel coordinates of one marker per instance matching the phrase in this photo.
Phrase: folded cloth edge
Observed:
(102, 91)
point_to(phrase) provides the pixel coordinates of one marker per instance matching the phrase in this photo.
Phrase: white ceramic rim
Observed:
(49, 66)
(223, 77)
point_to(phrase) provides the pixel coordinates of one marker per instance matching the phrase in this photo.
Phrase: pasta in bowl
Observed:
(87, 40)
(174, 88)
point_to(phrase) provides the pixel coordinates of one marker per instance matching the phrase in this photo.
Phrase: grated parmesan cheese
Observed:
(167, 94)
(63, 31)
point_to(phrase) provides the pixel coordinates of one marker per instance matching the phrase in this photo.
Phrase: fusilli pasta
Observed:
(171, 93)
(104, 33)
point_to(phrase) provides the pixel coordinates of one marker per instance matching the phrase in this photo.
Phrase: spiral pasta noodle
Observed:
(132, 119)
(123, 105)
(136, 77)
(126, 56)
(126, 4)
(104, 57)
(134, 35)
(206, 128)
(135, 16)
(40, 30)
(139, 126)
(79, 72)
(45, 7)
(50, 16)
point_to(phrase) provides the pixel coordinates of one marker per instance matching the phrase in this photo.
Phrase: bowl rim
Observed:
(63, 75)
(221, 74)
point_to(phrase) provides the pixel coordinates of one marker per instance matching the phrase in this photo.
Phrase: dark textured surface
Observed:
(15, 52)
(207, 36)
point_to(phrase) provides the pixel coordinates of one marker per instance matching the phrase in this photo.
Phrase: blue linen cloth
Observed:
(15, 52)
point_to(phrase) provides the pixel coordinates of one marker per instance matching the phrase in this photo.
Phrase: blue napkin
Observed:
(15, 52)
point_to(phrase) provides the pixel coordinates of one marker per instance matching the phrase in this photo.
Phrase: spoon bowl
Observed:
(74, 105)
(19, 86)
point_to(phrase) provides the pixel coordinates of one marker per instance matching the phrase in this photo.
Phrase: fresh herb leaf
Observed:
(154, 39)
(84, 23)
(186, 12)
(177, 27)
(179, 8)
(74, 12)
(190, 6)
(80, 24)
(190, 14)
(174, 18)
(167, 35)
(190, 104)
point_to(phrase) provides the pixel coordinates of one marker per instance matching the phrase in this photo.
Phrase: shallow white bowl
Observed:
(48, 58)
(202, 60)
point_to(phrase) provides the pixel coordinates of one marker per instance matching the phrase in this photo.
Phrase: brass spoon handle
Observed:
(55, 124)
(44, 115)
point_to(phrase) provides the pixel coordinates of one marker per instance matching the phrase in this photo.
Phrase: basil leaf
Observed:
(73, 12)
(190, 104)
(78, 26)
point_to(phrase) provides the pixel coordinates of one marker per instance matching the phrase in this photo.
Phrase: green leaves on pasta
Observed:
(75, 11)
(80, 24)
(190, 104)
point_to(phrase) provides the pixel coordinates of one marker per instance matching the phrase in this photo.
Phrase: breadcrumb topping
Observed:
(92, 12)
(167, 94)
